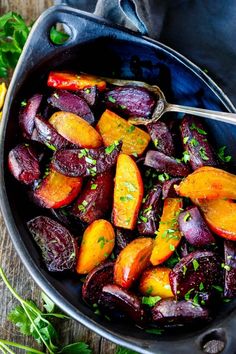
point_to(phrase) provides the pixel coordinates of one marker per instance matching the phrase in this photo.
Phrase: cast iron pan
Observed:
(99, 47)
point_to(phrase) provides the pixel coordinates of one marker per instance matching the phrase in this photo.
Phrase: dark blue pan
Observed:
(99, 47)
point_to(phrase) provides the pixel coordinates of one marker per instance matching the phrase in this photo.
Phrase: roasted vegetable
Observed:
(168, 188)
(171, 312)
(115, 299)
(128, 193)
(194, 228)
(56, 190)
(112, 128)
(86, 162)
(97, 244)
(90, 95)
(28, 114)
(195, 276)
(208, 182)
(74, 82)
(229, 269)
(149, 215)
(59, 249)
(155, 282)
(162, 138)
(132, 261)
(95, 200)
(167, 164)
(131, 101)
(23, 163)
(69, 102)
(123, 238)
(96, 280)
(196, 143)
(76, 130)
(168, 235)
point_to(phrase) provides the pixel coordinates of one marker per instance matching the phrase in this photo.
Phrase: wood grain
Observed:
(70, 331)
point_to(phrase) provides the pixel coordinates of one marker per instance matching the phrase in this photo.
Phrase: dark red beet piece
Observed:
(69, 102)
(96, 280)
(86, 162)
(149, 215)
(168, 190)
(131, 101)
(194, 228)
(171, 312)
(48, 135)
(23, 163)
(123, 238)
(90, 95)
(162, 137)
(27, 115)
(95, 200)
(113, 298)
(59, 249)
(163, 163)
(196, 143)
(230, 268)
(194, 276)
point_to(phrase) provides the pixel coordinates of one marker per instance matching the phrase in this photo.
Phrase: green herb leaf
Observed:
(109, 149)
(187, 217)
(194, 142)
(130, 129)
(50, 146)
(201, 286)
(195, 265)
(202, 153)
(48, 304)
(222, 156)
(150, 300)
(199, 130)
(186, 157)
(185, 140)
(163, 177)
(218, 288)
(58, 37)
(76, 348)
(225, 266)
(94, 186)
(155, 142)
(154, 331)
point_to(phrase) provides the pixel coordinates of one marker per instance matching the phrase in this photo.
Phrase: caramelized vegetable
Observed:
(57, 190)
(230, 269)
(168, 235)
(208, 182)
(220, 215)
(73, 82)
(128, 193)
(97, 244)
(155, 282)
(132, 261)
(162, 137)
(75, 129)
(28, 114)
(112, 128)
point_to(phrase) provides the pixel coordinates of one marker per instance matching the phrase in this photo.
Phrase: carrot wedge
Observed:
(74, 82)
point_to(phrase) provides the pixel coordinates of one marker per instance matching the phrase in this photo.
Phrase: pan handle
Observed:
(129, 8)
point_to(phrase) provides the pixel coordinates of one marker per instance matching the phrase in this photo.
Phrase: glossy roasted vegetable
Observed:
(95, 200)
(28, 114)
(196, 143)
(69, 102)
(97, 244)
(112, 128)
(59, 249)
(208, 182)
(86, 162)
(128, 193)
(168, 188)
(23, 163)
(74, 82)
(194, 228)
(76, 130)
(229, 269)
(155, 282)
(168, 235)
(162, 137)
(123, 238)
(132, 261)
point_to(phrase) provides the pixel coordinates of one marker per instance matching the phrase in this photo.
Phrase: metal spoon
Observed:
(163, 106)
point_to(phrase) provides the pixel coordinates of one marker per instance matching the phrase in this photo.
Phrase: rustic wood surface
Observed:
(20, 279)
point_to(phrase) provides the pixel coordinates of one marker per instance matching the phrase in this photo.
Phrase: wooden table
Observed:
(70, 331)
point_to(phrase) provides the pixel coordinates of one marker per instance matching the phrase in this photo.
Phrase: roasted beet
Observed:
(90, 95)
(195, 275)
(47, 134)
(131, 101)
(163, 163)
(23, 163)
(171, 312)
(196, 143)
(113, 298)
(162, 137)
(194, 228)
(149, 215)
(59, 249)
(27, 115)
(86, 162)
(95, 200)
(69, 102)
(123, 238)
(96, 280)
(230, 269)
(168, 189)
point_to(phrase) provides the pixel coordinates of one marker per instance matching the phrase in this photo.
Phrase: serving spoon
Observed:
(162, 106)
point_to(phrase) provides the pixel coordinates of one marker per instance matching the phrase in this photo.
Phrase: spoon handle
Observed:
(225, 117)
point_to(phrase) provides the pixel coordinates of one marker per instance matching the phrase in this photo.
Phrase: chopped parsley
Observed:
(56, 95)
(126, 198)
(130, 129)
(82, 153)
(185, 140)
(187, 217)
(156, 142)
(90, 160)
(109, 149)
(130, 186)
(102, 241)
(163, 177)
(186, 157)
(187, 295)
(195, 265)
(201, 286)
(172, 247)
(221, 154)
(87, 90)
(111, 99)
(51, 146)
(194, 142)
(82, 206)
(94, 186)
(225, 266)
(150, 300)
(199, 130)
(23, 103)
(202, 153)
(143, 218)
(154, 331)
(184, 269)
(218, 288)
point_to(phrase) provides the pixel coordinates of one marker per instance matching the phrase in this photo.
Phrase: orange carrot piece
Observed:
(128, 193)
(155, 282)
(73, 82)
